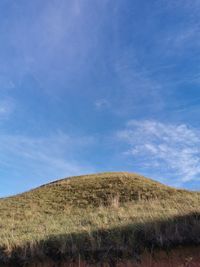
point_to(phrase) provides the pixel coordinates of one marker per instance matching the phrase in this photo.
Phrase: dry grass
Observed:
(96, 216)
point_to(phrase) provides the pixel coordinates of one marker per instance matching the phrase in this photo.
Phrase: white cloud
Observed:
(6, 83)
(102, 104)
(171, 148)
(42, 159)
(136, 85)
(183, 4)
(183, 37)
(6, 108)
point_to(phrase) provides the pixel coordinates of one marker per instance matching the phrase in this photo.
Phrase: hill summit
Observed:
(95, 190)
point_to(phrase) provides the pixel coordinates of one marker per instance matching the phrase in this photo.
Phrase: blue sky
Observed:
(89, 86)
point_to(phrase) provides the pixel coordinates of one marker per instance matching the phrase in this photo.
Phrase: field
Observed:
(101, 217)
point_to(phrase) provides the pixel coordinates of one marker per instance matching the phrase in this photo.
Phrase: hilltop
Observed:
(93, 190)
(95, 216)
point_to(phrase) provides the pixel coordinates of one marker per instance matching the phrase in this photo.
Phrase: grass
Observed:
(101, 216)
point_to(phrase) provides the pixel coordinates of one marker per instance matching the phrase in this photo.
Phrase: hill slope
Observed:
(72, 216)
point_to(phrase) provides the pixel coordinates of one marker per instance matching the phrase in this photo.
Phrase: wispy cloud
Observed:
(6, 108)
(102, 104)
(184, 4)
(43, 158)
(184, 35)
(136, 85)
(171, 149)
(6, 83)
(49, 43)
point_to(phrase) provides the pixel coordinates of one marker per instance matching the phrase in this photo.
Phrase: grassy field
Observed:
(97, 217)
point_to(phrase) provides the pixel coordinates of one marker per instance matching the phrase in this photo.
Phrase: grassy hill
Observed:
(95, 217)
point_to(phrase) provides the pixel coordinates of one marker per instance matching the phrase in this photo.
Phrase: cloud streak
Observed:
(171, 149)
(6, 108)
(102, 104)
(40, 159)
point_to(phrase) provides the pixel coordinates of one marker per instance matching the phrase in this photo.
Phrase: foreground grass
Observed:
(96, 215)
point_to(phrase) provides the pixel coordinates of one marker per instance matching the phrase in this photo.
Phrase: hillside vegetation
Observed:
(96, 217)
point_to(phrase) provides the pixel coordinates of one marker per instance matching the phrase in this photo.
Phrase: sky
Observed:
(92, 86)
